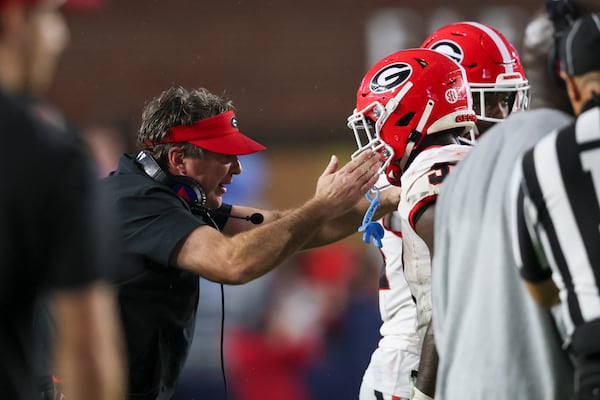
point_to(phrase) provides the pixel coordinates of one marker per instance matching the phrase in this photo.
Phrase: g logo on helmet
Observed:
(390, 77)
(450, 49)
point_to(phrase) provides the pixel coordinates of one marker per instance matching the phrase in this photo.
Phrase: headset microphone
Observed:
(256, 218)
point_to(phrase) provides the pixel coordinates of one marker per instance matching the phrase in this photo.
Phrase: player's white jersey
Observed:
(397, 307)
(397, 355)
(420, 187)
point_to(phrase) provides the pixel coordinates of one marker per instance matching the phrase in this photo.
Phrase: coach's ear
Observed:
(175, 158)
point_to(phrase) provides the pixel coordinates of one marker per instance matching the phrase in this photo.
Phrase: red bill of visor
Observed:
(218, 134)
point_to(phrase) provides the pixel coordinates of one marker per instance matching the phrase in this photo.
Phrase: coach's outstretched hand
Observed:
(340, 190)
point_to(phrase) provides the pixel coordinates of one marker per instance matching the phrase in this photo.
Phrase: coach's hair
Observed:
(173, 107)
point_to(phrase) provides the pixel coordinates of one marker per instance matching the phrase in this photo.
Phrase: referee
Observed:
(558, 209)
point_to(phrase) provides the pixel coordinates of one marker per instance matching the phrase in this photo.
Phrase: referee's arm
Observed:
(527, 248)
(545, 293)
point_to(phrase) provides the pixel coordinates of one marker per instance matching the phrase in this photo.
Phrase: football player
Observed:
(412, 107)
(499, 86)
(494, 70)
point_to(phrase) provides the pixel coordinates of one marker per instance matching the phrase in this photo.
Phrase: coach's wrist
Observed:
(416, 394)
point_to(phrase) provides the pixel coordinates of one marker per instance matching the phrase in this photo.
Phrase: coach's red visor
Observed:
(219, 134)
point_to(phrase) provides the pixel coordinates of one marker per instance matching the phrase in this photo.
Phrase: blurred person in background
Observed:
(556, 208)
(347, 277)
(51, 236)
(539, 52)
(315, 330)
(270, 355)
(107, 141)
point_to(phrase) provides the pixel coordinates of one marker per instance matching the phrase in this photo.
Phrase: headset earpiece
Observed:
(188, 189)
(184, 186)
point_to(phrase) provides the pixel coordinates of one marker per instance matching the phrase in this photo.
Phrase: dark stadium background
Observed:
(291, 67)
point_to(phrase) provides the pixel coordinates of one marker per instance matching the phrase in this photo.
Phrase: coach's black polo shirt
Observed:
(158, 304)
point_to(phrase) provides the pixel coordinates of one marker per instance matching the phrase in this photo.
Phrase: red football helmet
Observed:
(492, 65)
(405, 96)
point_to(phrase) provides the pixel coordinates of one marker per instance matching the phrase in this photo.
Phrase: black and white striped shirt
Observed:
(558, 216)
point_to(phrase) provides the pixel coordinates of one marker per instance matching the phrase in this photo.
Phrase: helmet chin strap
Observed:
(393, 173)
(473, 135)
(417, 133)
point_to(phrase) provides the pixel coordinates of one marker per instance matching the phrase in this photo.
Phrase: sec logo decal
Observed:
(451, 96)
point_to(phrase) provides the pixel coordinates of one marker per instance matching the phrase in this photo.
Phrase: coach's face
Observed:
(213, 171)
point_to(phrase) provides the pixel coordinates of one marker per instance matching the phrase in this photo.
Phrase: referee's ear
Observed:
(572, 88)
(575, 90)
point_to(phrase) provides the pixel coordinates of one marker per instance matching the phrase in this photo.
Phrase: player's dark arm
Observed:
(426, 380)
(424, 225)
(428, 363)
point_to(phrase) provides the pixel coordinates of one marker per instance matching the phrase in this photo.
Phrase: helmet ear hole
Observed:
(459, 131)
(405, 120)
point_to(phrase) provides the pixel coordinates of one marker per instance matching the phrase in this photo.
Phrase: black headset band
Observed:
(184, 186)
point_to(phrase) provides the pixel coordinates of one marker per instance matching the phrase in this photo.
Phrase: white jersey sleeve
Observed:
(421, 184)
